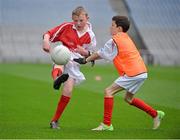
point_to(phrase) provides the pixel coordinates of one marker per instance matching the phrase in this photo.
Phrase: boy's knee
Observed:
(107, 93)
(128, 97)
(128, 100)
(67, 92)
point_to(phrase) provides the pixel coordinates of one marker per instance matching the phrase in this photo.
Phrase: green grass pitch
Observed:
(28, 101)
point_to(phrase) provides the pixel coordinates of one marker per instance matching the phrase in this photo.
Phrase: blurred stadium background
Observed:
(27, 99)
(155, 26)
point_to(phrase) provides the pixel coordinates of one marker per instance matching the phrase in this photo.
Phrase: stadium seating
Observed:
(22, 24)
(158, 23)
(155, 28)
(20, 44)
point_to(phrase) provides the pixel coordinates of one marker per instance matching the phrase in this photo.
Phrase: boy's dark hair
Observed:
(122, 21)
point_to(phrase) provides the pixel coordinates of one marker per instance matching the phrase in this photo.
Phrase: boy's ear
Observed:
(120, 28)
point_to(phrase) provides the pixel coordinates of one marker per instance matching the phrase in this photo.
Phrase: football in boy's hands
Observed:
(60, 55)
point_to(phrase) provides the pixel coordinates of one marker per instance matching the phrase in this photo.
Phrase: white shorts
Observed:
(131, 84)
(73, 69)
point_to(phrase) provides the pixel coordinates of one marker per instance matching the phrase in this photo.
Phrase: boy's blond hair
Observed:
(79, 10)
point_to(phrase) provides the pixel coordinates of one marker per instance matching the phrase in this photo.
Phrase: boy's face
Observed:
(114, 29)
(80, 21)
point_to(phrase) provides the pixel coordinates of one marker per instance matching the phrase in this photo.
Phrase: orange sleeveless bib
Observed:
(128, 60)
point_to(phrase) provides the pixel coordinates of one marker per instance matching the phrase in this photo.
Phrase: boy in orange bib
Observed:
(121, 50)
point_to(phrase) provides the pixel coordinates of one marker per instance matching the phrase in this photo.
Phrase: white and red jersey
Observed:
(71, 38)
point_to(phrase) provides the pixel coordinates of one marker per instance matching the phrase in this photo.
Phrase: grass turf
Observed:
(27, 103)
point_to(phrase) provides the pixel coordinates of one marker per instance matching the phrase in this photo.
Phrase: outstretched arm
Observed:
(92, 57)
(108, 52)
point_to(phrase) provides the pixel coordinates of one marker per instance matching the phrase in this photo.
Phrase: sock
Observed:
(61, 106)
(145, 107)
(56, 72)
(108, 108)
